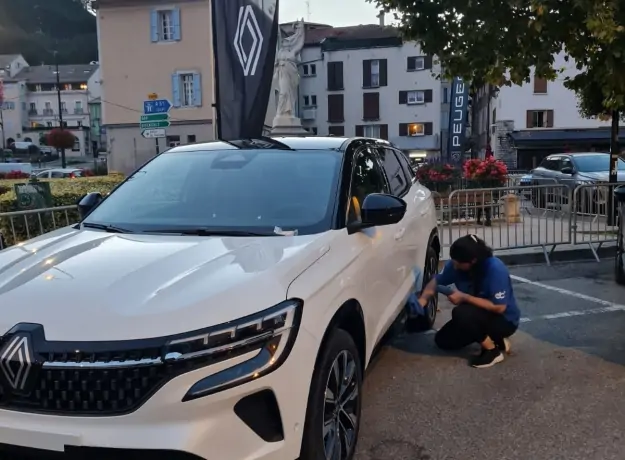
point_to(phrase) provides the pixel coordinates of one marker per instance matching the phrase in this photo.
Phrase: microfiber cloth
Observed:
(414, 307)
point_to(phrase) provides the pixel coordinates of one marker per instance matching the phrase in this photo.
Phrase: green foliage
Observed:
(35, 28)
(500, 42)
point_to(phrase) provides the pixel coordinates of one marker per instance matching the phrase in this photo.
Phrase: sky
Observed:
(332, 12)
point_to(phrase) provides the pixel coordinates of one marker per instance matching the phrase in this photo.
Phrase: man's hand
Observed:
(423, 300)
(457, 297)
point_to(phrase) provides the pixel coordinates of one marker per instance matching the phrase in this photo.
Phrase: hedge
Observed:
(65, 192)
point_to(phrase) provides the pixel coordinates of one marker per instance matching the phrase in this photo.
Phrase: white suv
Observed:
(222, 303)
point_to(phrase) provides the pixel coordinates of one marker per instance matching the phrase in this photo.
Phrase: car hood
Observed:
(91, 285)
(602, 176)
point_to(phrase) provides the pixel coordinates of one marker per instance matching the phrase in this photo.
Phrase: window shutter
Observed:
(384, 132)
(154, 25)
(528, 119)
(371, 106)
(336, 130)
(403, 129)
(360, 130)
(428, 128)
(427, 61)
(411, 63)
(403, 97)
(176, 23)
(383, 72)
(549, 118)
(339, 75)
(366, 74)
(175, 90)
(427, 95)
(197, 90)
(335, 108)
(540, 85)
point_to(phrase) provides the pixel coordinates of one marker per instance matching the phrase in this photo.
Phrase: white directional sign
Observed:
(154, 133)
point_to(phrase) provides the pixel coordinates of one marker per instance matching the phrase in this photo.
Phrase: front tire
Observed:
(335, 401)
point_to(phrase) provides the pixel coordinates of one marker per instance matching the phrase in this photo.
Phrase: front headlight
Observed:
(271, 333)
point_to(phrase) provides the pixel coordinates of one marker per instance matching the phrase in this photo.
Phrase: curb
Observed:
(569, 255)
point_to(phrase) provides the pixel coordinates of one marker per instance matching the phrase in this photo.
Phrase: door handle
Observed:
(400, 234)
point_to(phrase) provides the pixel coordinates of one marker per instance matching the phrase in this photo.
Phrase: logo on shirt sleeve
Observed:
(500, 295)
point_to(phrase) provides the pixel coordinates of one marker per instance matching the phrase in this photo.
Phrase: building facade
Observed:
(528, 122)
(164, 50)
(366, 81)
(31, 101)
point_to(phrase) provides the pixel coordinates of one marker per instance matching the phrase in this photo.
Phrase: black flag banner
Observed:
(245, 38)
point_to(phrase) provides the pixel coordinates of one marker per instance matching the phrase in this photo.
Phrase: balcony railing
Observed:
(309, 113)
(48, 112)
(79, 111)
(33, 112)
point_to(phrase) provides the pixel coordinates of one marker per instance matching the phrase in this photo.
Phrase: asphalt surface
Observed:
(561, 395)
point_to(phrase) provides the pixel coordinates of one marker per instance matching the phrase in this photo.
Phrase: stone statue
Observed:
(286, 73)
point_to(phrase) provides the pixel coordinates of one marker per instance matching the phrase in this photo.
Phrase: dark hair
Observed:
(469, 249)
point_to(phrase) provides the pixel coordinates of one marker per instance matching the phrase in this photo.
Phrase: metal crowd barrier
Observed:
(508, 217)
(18, 226)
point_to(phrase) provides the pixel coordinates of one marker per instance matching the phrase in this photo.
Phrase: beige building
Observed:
(149, 47)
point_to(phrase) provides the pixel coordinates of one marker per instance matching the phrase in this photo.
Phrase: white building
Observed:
(364, 80)
(31, 106)
(533, 120)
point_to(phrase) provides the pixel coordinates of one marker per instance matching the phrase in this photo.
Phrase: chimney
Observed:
(380, 16)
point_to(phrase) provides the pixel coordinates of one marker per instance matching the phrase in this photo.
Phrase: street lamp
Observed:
(60, 106)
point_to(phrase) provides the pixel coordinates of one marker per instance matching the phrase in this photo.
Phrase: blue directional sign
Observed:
(157, 106)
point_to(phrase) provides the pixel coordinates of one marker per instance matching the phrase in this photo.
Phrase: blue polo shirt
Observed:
(496, 285)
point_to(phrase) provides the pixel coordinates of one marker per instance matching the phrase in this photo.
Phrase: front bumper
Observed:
(164, 427)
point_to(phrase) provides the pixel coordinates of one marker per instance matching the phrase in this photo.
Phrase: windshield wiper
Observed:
(106, 228)
(203, 231)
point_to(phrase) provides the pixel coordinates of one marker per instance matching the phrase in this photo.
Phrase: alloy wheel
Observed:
(340, 411)
(430, 271)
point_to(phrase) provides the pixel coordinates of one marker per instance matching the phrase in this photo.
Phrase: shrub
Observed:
(65, 192)
(60, 138)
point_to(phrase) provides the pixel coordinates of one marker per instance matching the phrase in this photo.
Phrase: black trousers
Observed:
(470, 324)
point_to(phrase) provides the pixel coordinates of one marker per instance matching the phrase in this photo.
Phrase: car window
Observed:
(398, 182)
(248, 189)
(550, 163)
(367, 178)
(44, 174)
(599, 162)
(57, 175)
(405, 165)
(565, 163)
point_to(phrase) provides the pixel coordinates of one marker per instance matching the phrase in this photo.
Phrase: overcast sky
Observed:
(332, 12)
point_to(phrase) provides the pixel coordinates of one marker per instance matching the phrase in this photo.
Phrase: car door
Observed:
(378, 261)
(407, 249)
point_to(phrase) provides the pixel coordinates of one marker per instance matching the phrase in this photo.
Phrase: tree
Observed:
(500, 43)
(61, 139)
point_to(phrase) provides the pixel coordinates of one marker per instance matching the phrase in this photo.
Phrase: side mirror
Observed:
(568, 170)
(88, 203)
(379, 209)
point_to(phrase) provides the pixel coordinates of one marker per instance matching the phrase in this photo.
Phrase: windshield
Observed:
(596, 163)
(246, 190)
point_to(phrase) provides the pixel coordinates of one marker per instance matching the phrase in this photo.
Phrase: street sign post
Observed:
(156, 133)
(155, 118)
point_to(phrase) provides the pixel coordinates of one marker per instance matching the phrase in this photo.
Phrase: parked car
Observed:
(572, 170)
(59, 173)
(223, 302)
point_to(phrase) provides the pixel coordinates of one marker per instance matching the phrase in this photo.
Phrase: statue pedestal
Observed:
(288, 126)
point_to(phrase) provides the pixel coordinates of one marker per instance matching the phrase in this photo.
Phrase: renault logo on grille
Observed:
(16, 361)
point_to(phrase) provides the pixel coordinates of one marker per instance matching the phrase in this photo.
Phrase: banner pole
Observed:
(216, 114)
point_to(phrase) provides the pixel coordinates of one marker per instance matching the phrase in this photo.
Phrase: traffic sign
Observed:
(155, 117)
(157, 106)
(153, 133)
(154, 124)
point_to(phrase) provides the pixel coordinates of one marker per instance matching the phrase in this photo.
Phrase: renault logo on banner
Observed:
(248, 29)
(16, 361)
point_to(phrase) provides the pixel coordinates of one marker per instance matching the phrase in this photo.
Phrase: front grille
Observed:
(8, 452)
(120, 386)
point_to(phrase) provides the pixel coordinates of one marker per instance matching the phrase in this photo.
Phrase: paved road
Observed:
(561, 395)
